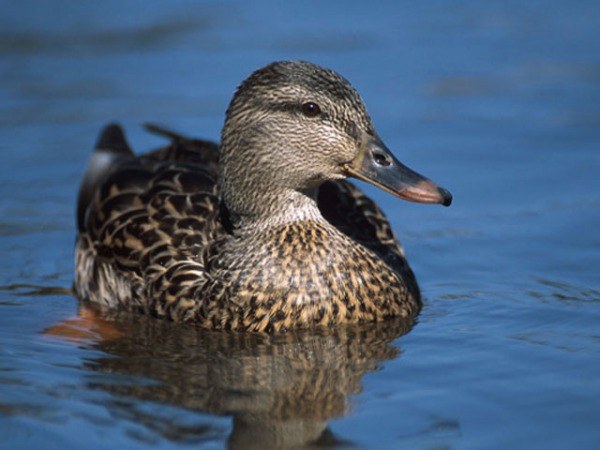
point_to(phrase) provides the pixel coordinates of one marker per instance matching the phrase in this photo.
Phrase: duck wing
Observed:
(144, 220)
(183, 149)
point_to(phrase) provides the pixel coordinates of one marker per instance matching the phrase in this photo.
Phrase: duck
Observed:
(261, 232)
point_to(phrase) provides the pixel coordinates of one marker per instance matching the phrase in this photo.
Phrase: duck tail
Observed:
(111, 149)
(112, 139)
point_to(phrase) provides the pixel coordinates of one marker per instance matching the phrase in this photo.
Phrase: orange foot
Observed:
(85, 326)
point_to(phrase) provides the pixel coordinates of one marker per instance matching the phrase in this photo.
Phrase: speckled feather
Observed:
(156, 236)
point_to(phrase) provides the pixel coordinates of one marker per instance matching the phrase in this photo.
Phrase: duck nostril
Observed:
(381, 159)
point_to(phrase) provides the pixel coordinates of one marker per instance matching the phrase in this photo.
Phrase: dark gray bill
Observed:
(377, 165)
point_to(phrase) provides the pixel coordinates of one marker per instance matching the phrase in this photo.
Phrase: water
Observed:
(497, 101)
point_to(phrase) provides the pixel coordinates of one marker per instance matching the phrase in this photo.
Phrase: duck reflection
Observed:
(280, 389)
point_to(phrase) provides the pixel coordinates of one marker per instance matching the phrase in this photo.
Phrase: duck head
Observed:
(292, 126)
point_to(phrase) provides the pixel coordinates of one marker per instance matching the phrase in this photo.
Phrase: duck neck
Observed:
(267, 209)
(262, 184)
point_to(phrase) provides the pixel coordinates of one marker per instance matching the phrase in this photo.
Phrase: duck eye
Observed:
(311, 109)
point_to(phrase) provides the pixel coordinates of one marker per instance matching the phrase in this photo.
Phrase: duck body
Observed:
(260, 233)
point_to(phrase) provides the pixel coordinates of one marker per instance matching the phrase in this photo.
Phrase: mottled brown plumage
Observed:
(261, 233)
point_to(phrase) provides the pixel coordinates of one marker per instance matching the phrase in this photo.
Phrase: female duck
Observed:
(261, 233)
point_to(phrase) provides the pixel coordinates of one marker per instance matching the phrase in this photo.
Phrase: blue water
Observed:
(497, 101)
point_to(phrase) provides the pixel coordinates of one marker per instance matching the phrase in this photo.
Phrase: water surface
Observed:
(497, 101)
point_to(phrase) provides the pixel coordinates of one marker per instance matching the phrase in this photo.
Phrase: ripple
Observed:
(32, 290)
(564, 292)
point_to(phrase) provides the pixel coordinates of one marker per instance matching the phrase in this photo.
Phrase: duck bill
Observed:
(375, 164)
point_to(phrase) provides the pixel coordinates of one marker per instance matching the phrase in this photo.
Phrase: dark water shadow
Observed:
(280, 390)
(34, 290)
